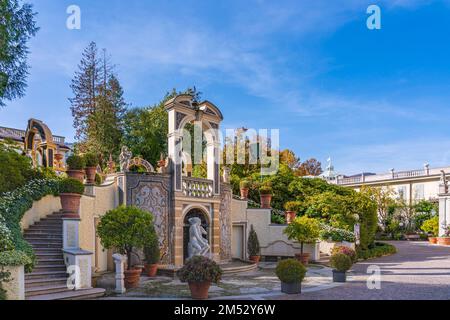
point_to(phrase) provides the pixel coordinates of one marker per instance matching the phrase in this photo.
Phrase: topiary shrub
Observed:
(431, 226)
(200, 269)
(70, 185)
(290, 271)
(126, 229)
(341, 262)
(253, 247)
(91, 160)
(75, 162)
(152, 252)
(345, 250)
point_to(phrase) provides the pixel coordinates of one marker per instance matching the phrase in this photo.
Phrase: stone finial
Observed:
(226, 175)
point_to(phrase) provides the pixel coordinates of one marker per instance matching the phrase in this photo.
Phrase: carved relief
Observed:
(225, 225)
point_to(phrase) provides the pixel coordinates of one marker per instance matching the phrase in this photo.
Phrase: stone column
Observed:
(119, 261)
(444, 212)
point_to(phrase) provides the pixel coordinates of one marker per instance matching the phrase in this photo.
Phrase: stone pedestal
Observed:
(119, 261)
(444, 212)
(70, 234)
(79, 268)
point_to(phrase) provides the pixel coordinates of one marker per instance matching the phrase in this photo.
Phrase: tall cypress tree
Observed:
(17, 26)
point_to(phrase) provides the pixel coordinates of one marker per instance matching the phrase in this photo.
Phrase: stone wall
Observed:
(40, 210)
(225, 222)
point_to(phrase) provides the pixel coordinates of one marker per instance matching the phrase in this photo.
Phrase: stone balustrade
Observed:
(197, 188)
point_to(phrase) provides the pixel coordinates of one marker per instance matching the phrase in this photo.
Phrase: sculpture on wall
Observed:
(198, 246)
(226, 175)
(124, 158)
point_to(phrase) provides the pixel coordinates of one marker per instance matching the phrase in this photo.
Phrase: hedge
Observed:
(14, 258)
(378, 249)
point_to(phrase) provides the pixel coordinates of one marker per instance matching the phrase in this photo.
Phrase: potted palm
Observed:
(265, 194)
(292, 208)
(341, 263)
(253, 246)
(199, 272)
(75, 167)
(70, 192)
(291, 274)
(91, 162)
(304, 230)
(431, 227)
(125, 229)
(152, 256)
(244, 188)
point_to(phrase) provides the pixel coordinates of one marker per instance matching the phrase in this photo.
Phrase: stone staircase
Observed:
(48, 281)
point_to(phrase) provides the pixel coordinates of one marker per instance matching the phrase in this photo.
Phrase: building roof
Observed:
(19, 136)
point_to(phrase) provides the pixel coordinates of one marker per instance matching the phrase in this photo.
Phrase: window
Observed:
(401, 191)
(419, 192)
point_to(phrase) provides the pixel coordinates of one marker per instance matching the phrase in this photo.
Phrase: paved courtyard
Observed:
(417, 271)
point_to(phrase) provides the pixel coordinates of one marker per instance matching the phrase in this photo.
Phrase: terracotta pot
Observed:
(432, 240)
(76, 174)
(132, 278)
(151, 270)
(255, 259)
(199, 290)
(290, 216)
(266, 199)
(90, 174)
(443, 241)
(244, 193)
(303, 258)
(70, 203)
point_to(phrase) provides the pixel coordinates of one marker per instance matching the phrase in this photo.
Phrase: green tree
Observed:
(17, 26)
(303, 230)
(384, 198)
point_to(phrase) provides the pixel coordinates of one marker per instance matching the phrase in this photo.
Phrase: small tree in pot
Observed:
(75, 167)
(91, 161)
(152, 256)
(199, 272)
(253, 246)
(431, 227)
(291, 274)
(265, 194)
(125, 229)
(244, 187)
(292, 208)
(70, 192)
(303, 230)
(341, 264)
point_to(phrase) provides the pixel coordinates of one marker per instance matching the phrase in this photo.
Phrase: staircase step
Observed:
(83, 294)
(49, 268)
(45, 275)
(38, 236)
(32, 283)
(53, 262)
(45, 256)
(43, 290)
(47, 251)
(45, 242)
(46, 229)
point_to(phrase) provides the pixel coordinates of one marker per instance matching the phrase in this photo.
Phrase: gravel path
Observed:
(417, 271)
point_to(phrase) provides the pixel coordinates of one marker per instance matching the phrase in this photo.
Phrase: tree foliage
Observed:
(310, 167)
(17, 26)
(304, 230)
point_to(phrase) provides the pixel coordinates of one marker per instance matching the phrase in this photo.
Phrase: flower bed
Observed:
(329, 233)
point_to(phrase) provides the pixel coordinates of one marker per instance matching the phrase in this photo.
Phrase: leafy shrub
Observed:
(75, 162)
(14, 258)
(303, 230)
(98, 179)
(378, 249)
(245, 184)
(277, 218)
(200, 269)
(91, 160)
(70, 185)
(253, 243)
(290, 271)
(431, 226)
(152, 252)
(6, 243)
(295, 206)
(328, 233)
(341, 262)
(126, 228)
(265, 190)
(345, 250)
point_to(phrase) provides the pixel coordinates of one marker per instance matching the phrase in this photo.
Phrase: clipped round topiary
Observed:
(75, 162)
(290, 271)
(245, 184)
(200, 269)
(70, 185)
(341, 262)
(91, 160)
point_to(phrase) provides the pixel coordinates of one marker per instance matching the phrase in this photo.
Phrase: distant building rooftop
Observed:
(19, 136)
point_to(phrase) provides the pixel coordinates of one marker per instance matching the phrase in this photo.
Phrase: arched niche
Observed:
(195, 212)
(44, 146)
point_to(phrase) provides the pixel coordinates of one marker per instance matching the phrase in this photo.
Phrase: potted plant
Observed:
(291, 274)
(265, 194)
(345, 250)
(244, 187)
(292, 208)
(152, 256)
(304, 230)
(431, 227)
(70, 192)
(444, 240)
(253, 246)
(340, 263)
(75, 167)
(199, 272)
(91, 162)
(126, 229)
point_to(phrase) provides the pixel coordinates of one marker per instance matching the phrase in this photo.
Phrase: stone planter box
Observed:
(291, 288)
(15, 288)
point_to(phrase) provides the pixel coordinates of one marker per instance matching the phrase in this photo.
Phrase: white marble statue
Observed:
(198, 246)
(124, 158)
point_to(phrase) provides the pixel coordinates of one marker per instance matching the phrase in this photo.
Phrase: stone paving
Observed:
(418, 271)
(249, 285)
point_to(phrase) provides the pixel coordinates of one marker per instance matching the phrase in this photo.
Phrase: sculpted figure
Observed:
(198, 246)
(124, 158)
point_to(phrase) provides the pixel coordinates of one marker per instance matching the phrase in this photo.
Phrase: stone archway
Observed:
(45, 147)
(195, 213)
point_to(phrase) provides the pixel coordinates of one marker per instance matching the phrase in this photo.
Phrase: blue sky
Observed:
(370, 99)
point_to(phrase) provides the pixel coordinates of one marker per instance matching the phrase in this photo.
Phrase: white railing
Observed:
(409, 174)
(197, 188)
